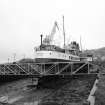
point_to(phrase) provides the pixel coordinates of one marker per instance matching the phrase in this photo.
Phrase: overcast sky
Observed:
(22, 22)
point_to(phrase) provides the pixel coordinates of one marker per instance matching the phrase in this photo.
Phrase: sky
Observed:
(22, 22)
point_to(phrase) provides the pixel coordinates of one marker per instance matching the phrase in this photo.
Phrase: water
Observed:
(31, 103)
(6, 99)
(18, 94)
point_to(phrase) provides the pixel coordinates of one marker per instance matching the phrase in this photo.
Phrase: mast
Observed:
(41, 39)
(80, 43)
(64, 32)
(41, 42)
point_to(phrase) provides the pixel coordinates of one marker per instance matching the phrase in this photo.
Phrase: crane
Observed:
(49, 38)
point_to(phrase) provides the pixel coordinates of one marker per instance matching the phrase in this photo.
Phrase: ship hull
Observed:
(53, 56)
(46, 60)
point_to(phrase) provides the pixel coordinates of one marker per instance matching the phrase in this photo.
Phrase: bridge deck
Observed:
(51, 68)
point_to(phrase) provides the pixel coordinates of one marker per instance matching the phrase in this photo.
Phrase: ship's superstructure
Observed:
(48, 52)
(55, 53)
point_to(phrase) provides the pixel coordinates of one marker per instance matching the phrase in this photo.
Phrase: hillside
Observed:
(98, 54)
